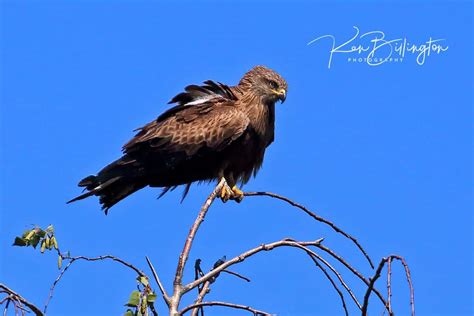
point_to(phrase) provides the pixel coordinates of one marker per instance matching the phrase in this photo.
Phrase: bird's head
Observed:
(265, 83)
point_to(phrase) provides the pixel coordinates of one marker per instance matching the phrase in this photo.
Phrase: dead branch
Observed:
(230, 305)
(409, 281)
(389, 284)
(74, 259)
(316, 217)
(315, 257)
(202, 292)
(240, 276)
(353, 270)
(13, 296)
(243, 256)
(377, 274)
(371, 286)
(328, 276)
(158, 281)
(177, 284)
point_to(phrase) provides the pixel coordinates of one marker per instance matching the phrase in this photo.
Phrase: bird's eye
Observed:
(273, 84)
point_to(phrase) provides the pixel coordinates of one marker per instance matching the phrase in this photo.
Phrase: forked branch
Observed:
(18, 300)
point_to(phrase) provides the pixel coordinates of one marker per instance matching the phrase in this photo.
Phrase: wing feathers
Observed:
(214, 125)
(210, 89)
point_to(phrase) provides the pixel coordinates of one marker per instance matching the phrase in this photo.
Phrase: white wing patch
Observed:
(201, 100)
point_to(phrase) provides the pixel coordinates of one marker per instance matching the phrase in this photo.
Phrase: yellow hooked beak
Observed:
(281, 93)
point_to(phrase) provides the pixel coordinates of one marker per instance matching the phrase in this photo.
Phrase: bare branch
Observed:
(353, 270)
(177, 291)
(315, 256)
(240, 276)
(205, 289)
(371, 284)
(230, 305)
(74, 259)
(410, 283)
(158, 281)
(243, 256)
(17, 297)
(328, 276)
(389, 284)
(316, 217)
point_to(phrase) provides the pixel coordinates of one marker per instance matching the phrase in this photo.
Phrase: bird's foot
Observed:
(238, 194)
(227, 193)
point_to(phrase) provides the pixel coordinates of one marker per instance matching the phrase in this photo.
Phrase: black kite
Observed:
(214, 131)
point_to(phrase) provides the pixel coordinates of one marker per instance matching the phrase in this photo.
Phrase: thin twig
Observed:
(158, 281)
(53, 286)
(74, 259)
(389, 284)
(237, 275)
(314, 256)
(353, 270)
(206, 289)
(5, 311)
(230, 305)
(21, 299)
(316, 217)
(410, 283)
(334, 285)
(202, 293)
(371, 286)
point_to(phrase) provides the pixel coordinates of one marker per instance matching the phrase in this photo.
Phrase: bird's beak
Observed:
(281, 94)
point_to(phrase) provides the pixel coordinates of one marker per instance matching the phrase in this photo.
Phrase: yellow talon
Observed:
(226, 193)
(238, 195)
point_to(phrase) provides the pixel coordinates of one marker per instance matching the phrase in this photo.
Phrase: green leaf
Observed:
(20, 242)
(143, 280)
(129, 312)
(151, 298)
(134, 299)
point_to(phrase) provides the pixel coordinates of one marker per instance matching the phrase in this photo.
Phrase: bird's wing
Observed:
(213, 123)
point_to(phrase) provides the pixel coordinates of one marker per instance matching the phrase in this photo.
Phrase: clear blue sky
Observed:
(385, 151)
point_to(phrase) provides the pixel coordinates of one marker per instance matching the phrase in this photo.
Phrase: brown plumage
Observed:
(214, 131)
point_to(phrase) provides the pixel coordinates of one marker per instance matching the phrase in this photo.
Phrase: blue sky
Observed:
(383, 151)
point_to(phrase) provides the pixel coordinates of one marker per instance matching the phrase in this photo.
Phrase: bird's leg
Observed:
(227, 193)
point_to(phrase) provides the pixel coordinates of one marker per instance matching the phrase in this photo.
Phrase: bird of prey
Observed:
(214, 131)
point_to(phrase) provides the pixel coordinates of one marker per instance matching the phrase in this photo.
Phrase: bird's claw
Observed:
(238, 194)
(227, 194)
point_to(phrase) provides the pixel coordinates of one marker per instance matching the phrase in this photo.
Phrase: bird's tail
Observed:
(112, 184)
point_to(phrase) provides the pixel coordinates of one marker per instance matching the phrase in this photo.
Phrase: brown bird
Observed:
(215, 131)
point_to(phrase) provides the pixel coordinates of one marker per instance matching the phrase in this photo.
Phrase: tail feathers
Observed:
(110, 192)
(89, 182)
(92, 185)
